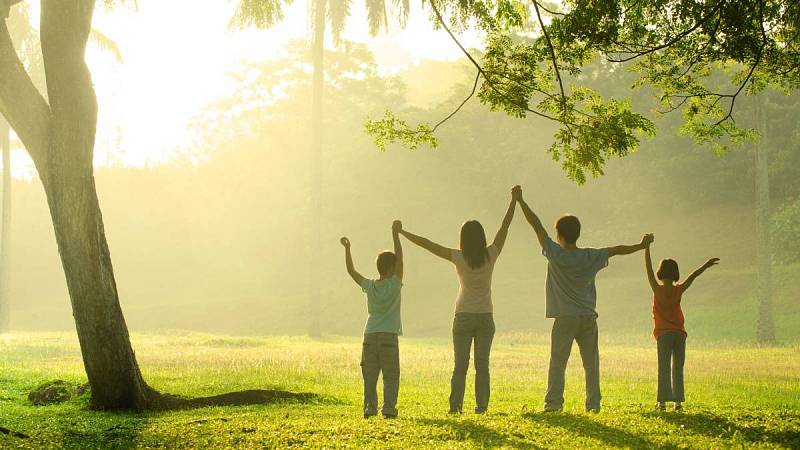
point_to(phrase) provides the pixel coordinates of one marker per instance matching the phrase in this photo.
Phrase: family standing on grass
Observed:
(571, 299)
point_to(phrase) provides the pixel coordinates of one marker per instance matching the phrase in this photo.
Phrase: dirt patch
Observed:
(52, 392)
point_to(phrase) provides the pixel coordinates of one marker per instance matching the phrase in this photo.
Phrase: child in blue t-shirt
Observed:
(380, 352)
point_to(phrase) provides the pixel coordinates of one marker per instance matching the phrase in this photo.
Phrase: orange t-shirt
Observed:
(667, 314)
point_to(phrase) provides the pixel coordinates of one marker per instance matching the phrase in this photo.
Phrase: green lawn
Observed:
(737, 397)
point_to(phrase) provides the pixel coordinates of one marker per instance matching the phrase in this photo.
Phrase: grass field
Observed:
(737, 397)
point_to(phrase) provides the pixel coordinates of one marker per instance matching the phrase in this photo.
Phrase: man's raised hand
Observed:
(397, 227)
(345, 242)
(648, 239)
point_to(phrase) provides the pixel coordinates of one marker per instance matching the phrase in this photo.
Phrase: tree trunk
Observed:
(68, 180)
(765, 332)
(318, 56)
(5, 231)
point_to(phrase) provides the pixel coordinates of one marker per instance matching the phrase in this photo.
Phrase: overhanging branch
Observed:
(478, 66)
(474, 88)
(671, 42)
(552, 57)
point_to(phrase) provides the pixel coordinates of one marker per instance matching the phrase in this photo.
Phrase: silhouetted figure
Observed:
(380, 353)
(571, 300)
(473, 321)
(668, 326)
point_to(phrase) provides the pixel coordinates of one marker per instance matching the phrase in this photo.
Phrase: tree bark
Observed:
(5, 231)
(318, 57)
(765, 332)
(60, 139)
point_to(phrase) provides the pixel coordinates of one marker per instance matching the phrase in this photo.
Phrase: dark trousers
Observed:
(671, 349)
(469, 328)
(582, 329)
(380, 354)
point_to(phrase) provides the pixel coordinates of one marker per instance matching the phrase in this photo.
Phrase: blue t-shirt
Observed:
(570, 289)
(383, 305)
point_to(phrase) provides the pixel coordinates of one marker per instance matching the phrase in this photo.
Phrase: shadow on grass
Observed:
(168, 402)
(482, 435)
(716, 426)
(123, 434)
(584, 426)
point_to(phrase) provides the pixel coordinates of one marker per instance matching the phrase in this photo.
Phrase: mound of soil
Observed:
(52, 392)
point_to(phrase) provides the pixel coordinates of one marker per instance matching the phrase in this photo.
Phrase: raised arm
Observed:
(530, 216)
(502, 233)
(397, 226)
(348, 260)
(436, 249)
(648, 265)
(690, 279)
(647, 239)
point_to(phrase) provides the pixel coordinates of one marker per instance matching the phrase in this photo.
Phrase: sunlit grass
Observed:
(737, 396)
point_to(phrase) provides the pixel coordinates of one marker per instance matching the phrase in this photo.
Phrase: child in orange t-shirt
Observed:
(668, 326)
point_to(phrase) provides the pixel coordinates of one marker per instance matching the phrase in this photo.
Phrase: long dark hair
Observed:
(473, 244)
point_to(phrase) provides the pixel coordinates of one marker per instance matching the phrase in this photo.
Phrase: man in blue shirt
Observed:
(380, 352)
(572, 301)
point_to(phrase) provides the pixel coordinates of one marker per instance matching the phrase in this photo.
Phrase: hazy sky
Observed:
(176, 57)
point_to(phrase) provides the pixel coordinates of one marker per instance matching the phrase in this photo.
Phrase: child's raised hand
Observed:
(345, 242)
(712, 262)
(516, 193)
(397, 226)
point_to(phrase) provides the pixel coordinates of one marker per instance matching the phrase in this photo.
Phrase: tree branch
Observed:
(474, 87)
(551, 12)
(5, 7)
(672, 41)
(21, 103)
(552, 57)
(478, 66)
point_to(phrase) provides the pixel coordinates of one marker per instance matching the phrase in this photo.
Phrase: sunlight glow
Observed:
(169, 73)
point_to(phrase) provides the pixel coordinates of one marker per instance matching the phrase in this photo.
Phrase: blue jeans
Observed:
(469, 328)
(583, 330)
(671, 348)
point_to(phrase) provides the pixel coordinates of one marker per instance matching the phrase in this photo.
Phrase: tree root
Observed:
(167, 402)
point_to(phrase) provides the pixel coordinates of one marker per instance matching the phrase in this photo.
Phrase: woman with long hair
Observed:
(473, 323)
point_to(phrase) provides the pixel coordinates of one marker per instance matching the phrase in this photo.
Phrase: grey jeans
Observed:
(380, 353)
(469, 328)
(671, 348)
(582, 329)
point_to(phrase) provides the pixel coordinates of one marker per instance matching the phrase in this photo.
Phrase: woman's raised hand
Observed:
(397, 227)
(516, 193)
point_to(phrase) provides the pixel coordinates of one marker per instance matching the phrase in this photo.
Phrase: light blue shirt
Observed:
(383, 305)
(570, 288)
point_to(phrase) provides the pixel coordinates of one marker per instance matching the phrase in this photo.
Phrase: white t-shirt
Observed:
(475, 285)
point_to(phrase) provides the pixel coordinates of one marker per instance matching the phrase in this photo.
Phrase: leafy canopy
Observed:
(697, 56)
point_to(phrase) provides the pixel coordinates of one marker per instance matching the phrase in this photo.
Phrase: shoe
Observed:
(678, 406)
(390, 416)
(454, 412)
(593, 410)
(661, 406)
(552, 409)
(480, 410)
(368, 415)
